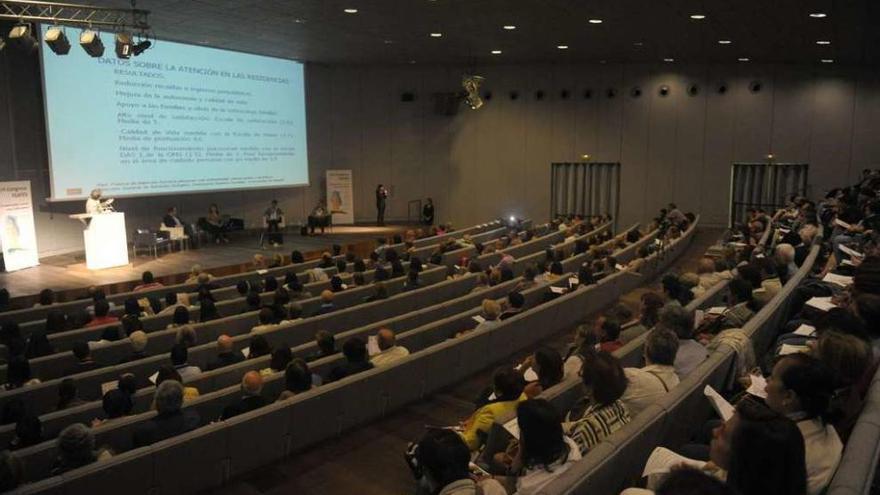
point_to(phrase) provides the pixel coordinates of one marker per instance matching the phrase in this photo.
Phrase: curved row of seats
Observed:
(321, 413)
(618, 460)
(39, 313)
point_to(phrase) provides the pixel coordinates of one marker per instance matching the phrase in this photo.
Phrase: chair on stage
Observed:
(149, 240)
(176, 235)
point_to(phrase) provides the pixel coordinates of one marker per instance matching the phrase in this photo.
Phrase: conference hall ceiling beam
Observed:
(71, 14)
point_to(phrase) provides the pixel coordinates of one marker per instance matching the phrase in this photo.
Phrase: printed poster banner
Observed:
(17, 234)
(340, 196)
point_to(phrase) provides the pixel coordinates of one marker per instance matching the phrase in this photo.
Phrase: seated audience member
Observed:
(784, 258)
(172, 302)
(251, 388)
(18, 373)
(169, 373)
(148, 281)
(5, 305)
(11, 472)
(116, 404)
(412, 281)
(179, 358)
(226, 353)
(208, 311)
(56, 321)
(508, 388)
(297, 379)
(674, 291)
(258, 347)
(770, 283)
(690, 352)
(46, 297)
(281, 357)
(706, 272)
(481, 283)
(515, 303)
(850, 360)
(740, 310)
(326, 343)
(185, 336)
(607, 332)
(546, 371)
(252, 301)
(180, 317)
(102, 308)
(336, 284)
(171, 419)
(266, 318)
(544, 452)
(491, 312)
(649, 311)
(28, 432)
(800, 388)
(441, 461)
(657, 377)
(390, 351)
(356, 360)
(108, 336)
(76, 448)
(138, 341)
(84, 360)
(327, 305)
(67, 395)
(605, 383)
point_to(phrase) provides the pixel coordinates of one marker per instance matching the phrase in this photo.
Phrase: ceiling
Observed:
(397, 31)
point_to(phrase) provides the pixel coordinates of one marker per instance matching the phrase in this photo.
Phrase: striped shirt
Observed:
(597, 423)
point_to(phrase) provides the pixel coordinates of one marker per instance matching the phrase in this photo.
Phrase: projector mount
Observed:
(70, 14)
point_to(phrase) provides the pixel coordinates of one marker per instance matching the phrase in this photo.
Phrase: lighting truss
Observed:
(71, 14)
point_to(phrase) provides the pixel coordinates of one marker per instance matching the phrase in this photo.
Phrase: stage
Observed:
(69, 272)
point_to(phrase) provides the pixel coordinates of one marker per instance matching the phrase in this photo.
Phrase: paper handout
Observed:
(821, 303)
(662, 460)
(724, 409)
(758, 386)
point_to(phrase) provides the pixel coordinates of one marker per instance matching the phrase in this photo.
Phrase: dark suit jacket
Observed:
(165, 426)
(169, 221)
(344, 370)
(82, 367)
(246, 404)
(134, 356)
(226, 359)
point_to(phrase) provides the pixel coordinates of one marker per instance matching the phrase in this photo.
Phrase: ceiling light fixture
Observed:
(669, 60)
(436, 35)
(827, 60)
(724, 42)
(595, 21)
(562, 47)
(823, 42)
(57, 40)
(22, 37)
(90, 41)
(743, 59)
(818, 15)
(510, 27)
(350, 11)
(698, 17)
(496, 52)
(638, 43)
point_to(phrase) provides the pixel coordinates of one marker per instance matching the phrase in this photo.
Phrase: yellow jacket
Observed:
(481, 420)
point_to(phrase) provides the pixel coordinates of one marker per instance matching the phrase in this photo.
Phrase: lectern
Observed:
(105, 239)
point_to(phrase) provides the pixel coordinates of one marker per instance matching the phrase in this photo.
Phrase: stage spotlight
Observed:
(124, 45)
(471, 85)
(141, 47)
(22, 36)
(57, 40)
(91, 42)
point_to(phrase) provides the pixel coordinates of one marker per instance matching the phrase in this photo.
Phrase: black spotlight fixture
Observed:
(588, 93)
(141, 47)
(124, 45)
(22, 36)
(57, 40)
(90, 41)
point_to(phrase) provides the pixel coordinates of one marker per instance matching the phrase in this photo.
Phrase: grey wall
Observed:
(496, 161)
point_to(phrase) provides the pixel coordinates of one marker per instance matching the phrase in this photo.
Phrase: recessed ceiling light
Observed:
(562, 47)
(510, 27)
(412, 61)
(388, 42)
(496, 52)
(827, 60)
(595, 21)
(669, 60)
(818, 15)
(743, 59)
(698, 17)
(436, 35)
(724, 42)
(823, 42)
(350, 11)
(638, 43)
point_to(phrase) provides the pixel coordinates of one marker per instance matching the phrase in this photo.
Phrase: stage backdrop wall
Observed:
(496, 161)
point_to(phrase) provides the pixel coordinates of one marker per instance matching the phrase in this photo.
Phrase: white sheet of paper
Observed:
(662, 460)
(557, 290)
(619, 266)
(805, 330)
(716, 310)
(787, 349)
(492, 397)
(841, 280)
(846, 263)
(246, 352)
(512, 427)
(722, 407)
(821, 303)
(758, 386)
(108, 386)
(153, 377)
(850, 251)
(573, 281)
(841, 223)
(784, 231)
(478, 318)
(373, 345)
(530, 375)
(262, 272)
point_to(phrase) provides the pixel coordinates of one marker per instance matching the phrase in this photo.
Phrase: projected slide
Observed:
(178, 118)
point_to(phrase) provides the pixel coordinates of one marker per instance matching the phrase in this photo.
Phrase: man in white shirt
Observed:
(94, 204)
(648, 384)
(690, 352)
(390, 351)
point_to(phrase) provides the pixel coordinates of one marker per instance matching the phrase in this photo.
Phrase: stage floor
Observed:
(68, 272)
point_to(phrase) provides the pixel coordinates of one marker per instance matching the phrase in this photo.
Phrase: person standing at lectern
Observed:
(428, 212)
(273, 218)
(381, 199)
(94, 204)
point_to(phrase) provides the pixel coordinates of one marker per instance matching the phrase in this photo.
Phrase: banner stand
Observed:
(17, 233)
(340, 196)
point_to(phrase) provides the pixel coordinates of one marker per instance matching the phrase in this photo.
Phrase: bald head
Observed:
(327, 296)
(706, 265)
(224, 343)
(252, 383)
(386, 339)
